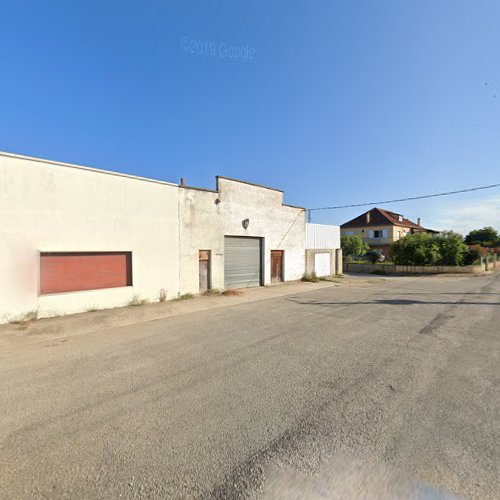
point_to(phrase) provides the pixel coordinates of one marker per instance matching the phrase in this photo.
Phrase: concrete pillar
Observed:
(338, 259)
(333, 263)
(486, 263)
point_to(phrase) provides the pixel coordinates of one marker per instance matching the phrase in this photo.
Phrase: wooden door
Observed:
(204, 266)
(276, 266)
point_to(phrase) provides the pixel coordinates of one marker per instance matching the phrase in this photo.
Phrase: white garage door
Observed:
(242, 262)
(322, 264)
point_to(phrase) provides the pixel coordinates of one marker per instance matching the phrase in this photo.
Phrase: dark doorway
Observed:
(276, 266)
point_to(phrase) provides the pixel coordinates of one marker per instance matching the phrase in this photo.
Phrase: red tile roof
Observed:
(381, 217)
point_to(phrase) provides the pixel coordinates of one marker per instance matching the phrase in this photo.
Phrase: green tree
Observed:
(452, 248)
(445, 249)
(486, 237)
(353, 245)
(418, 249)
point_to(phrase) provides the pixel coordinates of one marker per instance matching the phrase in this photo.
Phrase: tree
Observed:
(452, 248)
(474, 254)
(416, 250)
(444, 249)
(486, 237)
(353, 245)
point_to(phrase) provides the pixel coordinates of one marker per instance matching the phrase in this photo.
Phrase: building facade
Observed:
(61, 225)
(75, 238)
(240, 228)
(380, 228)
(323, 253)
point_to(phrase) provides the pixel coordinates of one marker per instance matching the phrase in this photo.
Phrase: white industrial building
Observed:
(74, 238)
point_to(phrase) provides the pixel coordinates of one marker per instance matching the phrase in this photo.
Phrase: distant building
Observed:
(380, 228)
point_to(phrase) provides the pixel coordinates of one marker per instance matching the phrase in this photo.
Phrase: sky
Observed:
(334, 102)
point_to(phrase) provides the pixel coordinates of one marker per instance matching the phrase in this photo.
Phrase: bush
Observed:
(452, 248)
(473, 255)
(352, 246)
(374, 256)
(419, 249)
(445, 249)
(310, 278)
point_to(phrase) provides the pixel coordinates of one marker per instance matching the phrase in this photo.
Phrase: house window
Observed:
(378, 233)
(349, 233)
(76, 271)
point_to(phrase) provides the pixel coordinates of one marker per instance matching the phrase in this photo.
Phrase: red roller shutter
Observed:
(74, 271)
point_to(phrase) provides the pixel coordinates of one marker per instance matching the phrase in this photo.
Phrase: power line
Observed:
(407, 199)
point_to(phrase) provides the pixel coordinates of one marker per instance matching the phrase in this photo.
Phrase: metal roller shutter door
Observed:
(242, 262)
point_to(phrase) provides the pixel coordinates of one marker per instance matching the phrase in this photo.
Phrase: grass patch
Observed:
(137, 301)
(185, 296)
(310, 278)
(232, 292)
(211, 291)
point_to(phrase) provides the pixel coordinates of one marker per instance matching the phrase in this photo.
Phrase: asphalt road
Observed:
(387, 389)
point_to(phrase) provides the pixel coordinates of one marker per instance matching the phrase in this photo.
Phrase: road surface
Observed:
(389, 388)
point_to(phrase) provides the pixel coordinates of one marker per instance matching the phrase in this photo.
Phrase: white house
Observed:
(74, 238)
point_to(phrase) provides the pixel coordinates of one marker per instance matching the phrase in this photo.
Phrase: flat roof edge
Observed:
(206, 190)
(293, 206)
(246, 182)
(323, 225)
(83, 167)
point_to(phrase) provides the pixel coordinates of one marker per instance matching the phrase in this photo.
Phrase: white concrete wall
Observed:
(49, 207)
(54, 207)
(201, 228)
(205, 221)
(322, 236)
(322, 264)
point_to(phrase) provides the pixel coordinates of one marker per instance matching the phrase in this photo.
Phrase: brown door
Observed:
(204, 259)
(276, 266)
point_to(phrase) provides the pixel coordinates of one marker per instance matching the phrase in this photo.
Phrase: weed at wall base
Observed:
(232, 292)
(310, 278)
(162, 297)
(137, 301)
(24, 318)
(185, 296)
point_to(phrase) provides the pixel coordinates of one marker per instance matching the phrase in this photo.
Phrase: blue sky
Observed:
(341, 102)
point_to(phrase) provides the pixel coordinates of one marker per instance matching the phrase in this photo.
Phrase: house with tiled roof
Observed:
(380, 228)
